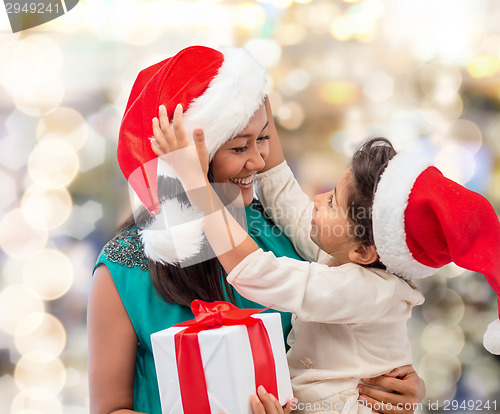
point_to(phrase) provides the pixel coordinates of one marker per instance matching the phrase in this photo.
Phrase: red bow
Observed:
(215, 315)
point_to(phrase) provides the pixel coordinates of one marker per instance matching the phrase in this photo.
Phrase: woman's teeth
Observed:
(244, 181)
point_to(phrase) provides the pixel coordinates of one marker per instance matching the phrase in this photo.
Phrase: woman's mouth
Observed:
(243, 182)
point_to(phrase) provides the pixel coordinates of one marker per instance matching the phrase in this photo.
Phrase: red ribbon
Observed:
(215, 315)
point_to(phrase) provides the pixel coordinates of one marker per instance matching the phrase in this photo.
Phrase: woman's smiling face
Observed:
(239, 159)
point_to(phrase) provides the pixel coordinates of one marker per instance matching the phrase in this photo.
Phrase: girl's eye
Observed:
(264, 138)
(240, 149)
(330, 201)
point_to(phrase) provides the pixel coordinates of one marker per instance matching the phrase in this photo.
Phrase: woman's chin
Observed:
(247, 195)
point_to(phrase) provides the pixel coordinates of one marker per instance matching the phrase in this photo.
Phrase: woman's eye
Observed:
(240, 149)
(264, 138)
(330, 201)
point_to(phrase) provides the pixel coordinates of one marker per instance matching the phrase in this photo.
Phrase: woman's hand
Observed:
(173, 145)
(266, 403)
(408, 391)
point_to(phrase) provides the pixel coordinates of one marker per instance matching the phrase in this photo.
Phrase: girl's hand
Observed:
(408, 391)
(266, 403)
(173, 145)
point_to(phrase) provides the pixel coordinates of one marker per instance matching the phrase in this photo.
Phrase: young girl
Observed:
(350, 319)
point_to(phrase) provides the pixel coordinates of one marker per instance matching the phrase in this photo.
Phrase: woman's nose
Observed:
(256, 161)
(317, 201)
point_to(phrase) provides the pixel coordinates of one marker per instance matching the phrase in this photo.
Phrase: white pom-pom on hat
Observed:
(423, 221)
(491, 339)
(168, 242)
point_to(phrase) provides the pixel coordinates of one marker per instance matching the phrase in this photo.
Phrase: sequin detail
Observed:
(126, 249)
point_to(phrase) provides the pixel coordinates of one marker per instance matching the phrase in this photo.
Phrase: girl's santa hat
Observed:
(219, 90)
(423, 221)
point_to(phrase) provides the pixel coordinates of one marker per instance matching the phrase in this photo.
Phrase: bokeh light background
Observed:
(424, 73)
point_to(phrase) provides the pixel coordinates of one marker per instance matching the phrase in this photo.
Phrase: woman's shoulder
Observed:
(125, 249)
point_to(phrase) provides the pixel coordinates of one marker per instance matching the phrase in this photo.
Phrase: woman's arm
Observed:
(276, 155)
(112, 348)
(408, 391)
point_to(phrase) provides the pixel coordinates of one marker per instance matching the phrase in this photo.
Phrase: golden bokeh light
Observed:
(456, 163)
(27, 53)
(35, 401)
(64, 123)
(483, 66)
(290, 34)
(40, 332)
(280, 4)
(9, 193)
(339, 92)
(49, 273)
(130, 24)
(359, 22)
(34, 92)
(41, 99)
(341, 29)
(18, 238)
(464, 133)
(440, 82)
(250, 15)
(294, 81)
(442, 336)
(290, 115)
(53, 163)
(16, 303)
(46, 209)
(266, 51)
(444, 305)
(40, 370)
(440, 373)
(495, 185)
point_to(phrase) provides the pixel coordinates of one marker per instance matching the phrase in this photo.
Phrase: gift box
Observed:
(215, 362)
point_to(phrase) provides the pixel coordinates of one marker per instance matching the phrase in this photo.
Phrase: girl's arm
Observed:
(112, 348)
(229, 241)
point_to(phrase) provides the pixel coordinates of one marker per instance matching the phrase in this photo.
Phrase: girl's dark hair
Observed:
(205, 280)
(368, 164)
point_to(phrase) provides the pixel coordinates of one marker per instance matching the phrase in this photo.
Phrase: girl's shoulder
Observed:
(125, 249)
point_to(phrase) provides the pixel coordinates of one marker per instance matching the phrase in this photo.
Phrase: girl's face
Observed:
(331, 229)
(239, 159)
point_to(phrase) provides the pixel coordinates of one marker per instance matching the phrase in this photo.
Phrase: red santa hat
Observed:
(423, 221)
(219, 90)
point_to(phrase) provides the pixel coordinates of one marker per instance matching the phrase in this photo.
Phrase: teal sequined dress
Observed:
(149, 313)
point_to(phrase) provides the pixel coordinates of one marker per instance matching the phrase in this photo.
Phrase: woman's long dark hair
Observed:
(204, 280)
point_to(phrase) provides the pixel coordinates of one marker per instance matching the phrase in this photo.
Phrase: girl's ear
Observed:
(363, 255)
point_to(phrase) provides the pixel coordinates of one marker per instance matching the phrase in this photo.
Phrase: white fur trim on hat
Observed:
(491, 339)
(168, 241)
(389, 205)
(227, 105)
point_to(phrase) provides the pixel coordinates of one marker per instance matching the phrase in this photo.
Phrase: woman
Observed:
(145, 279)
